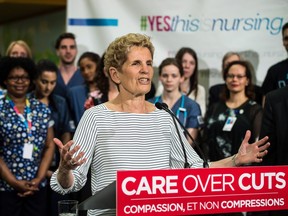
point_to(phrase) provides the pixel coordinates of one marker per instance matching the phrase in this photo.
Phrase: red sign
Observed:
(202, 191)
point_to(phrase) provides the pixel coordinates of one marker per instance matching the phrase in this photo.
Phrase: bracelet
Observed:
(233, 160)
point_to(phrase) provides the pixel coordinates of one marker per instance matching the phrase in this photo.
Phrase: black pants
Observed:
(13, 205)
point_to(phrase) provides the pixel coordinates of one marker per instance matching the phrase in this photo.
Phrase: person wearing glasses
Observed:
(18, 48)
(227, 121)
(26, 142)
(215, 90)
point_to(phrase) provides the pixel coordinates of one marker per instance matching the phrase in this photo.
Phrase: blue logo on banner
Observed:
(93, 22)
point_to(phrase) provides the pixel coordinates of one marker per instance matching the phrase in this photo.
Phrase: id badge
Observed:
(229, 123)
(28, 151)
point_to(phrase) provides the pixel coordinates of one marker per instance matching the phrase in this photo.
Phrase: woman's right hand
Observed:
(67, 161)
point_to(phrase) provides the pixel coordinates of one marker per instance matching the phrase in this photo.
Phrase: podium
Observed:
(202, 191)
(104, 199)
(194, 191)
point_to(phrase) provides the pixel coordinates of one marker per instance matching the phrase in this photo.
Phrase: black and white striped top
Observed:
(125, 141)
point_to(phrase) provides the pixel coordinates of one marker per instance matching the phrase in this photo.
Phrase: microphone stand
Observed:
(164, 106)
(186, 164)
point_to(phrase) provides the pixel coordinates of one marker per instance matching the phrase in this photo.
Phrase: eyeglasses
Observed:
(17, 79)
(231, 76)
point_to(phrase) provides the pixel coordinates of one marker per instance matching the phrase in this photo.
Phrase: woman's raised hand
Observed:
(68, 160)
(251, 153)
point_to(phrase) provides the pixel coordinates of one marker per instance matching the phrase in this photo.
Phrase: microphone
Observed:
(164, 106)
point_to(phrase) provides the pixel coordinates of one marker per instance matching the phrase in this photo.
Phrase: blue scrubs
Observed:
(187, 110)
(61, 88)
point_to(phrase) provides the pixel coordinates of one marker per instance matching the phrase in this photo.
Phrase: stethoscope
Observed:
(179, 110)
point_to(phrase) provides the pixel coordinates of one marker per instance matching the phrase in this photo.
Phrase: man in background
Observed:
(277, 75)
(275, 126)
(68, 75)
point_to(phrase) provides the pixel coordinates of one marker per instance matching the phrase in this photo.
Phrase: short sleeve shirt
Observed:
(13, 136)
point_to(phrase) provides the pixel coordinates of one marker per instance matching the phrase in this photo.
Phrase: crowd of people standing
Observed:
(102, 98)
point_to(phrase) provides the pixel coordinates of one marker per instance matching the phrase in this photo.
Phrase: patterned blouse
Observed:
(14, 135)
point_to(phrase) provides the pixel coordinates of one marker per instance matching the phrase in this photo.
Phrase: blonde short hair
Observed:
(116, 53)
(20, 43)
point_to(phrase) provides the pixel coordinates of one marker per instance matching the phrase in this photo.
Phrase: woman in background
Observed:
(186, 109)
(190, 86)
(77, 95)
(26, 145)
(215, 90)
(19, 48)
(106, 86)
(45, 82)
(227, 121)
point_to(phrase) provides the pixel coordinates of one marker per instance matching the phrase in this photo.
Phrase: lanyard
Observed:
(27, 121)
(180, 109)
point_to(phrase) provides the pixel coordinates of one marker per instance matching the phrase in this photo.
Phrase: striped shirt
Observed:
(115, 141)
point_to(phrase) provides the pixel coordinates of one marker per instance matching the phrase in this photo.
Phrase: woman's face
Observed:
(170, 78)
(136, 73)
(18, 51)
(236, 79)
(18, 82)
(88, 69)
(188, 64)
(45, 83)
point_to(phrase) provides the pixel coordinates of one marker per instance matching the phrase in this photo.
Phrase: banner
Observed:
(210, 27)
(202, 191)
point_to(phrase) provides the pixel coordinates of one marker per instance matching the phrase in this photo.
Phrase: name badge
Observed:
(229, 123)
(27, 151)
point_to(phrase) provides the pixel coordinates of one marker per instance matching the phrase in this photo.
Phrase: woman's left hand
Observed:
(251, 153)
